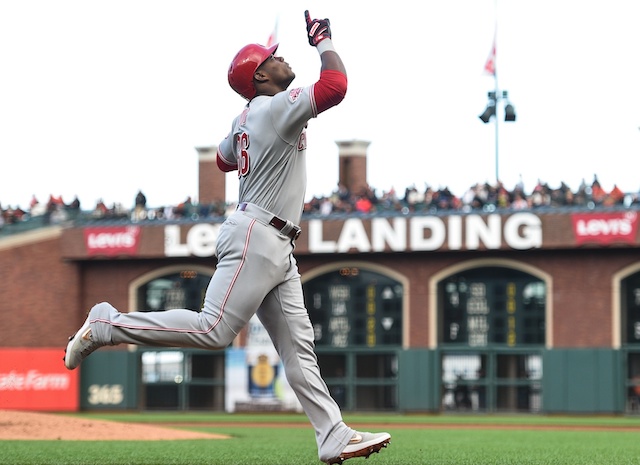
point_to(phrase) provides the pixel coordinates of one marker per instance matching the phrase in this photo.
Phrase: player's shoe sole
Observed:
(362, 445)
(80, 345)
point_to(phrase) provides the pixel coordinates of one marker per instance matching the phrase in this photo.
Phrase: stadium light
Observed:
(490, 112)
(509, 113)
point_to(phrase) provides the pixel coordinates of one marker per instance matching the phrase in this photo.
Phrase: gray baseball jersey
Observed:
(268, 144)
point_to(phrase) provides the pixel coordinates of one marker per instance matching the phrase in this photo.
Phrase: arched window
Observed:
(181, 289)
(351, 306)
(630, 292)
(181, 379)
(630, 332)
(492, 306)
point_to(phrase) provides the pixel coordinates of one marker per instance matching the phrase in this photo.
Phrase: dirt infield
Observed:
(18, 425)
(34, 426)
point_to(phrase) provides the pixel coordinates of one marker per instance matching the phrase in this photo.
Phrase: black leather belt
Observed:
(277, 223)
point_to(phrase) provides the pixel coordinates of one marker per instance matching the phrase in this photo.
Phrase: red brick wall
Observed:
(353, 174)
(45, 298)
(39, 292)
(211, 181)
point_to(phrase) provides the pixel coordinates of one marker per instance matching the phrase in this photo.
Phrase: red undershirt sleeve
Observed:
(223, 164)
(330, 89)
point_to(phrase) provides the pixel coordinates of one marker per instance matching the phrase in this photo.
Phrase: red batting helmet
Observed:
(244, 66)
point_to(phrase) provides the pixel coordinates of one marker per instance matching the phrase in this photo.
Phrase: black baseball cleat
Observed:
(362, 445)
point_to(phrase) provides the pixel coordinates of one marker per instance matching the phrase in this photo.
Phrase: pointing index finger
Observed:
(306, 16)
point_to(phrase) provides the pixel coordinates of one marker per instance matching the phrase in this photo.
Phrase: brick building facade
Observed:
(574, 275)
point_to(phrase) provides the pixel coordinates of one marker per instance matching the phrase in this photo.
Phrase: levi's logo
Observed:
(112, 241)
(605, 228)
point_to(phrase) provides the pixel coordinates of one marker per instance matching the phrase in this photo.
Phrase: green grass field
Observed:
(615, 442)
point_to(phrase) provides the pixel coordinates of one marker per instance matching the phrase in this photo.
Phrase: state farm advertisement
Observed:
(605, 228)
(111, 241)
(36, 379)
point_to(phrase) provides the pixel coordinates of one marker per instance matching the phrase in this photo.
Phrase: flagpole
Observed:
(491, 111)
(495, 80)
(496, 119)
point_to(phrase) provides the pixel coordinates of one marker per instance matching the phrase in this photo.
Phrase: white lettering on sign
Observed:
(107, 240)
(200, 240)
(316, 243)
(353, 236)
(418, 228)
(455, 232)
(383, 233)
(519, 231)
(108, 394)
(523, 231)
(599, 227)
(112, 240)
(488, 233)
(426, 233)
(33, 380)
(605, 228)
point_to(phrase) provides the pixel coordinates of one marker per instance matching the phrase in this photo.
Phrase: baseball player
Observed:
(256, 270)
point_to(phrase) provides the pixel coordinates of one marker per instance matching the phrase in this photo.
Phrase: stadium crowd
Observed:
(479, 197)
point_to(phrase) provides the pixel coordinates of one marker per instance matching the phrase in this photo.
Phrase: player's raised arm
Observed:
(331, 89)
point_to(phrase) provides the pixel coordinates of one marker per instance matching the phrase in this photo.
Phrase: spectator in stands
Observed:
(168, 212)
(504, 199)
(100, 210)
(19, 214)
(539, 196)
(341, 199)
(34, 202)
(118, 211)
(36, 208)
(412, 197)
(326, 206)
(597, 192)
(343, 193)
(479, 197)
(389, 201)
(519, 202)
(56, 200)
(615, 197)
(58, 215)
(313, 205)
(140, 207)
(445, 200)
(363, 204)
(184, 209)
(75, 204)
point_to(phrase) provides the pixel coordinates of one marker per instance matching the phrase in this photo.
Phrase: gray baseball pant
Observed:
(256, 270)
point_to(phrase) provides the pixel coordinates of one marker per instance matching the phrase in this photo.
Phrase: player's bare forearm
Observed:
(331, 61)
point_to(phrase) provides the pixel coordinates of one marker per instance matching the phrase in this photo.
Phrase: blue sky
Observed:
(101, 99)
